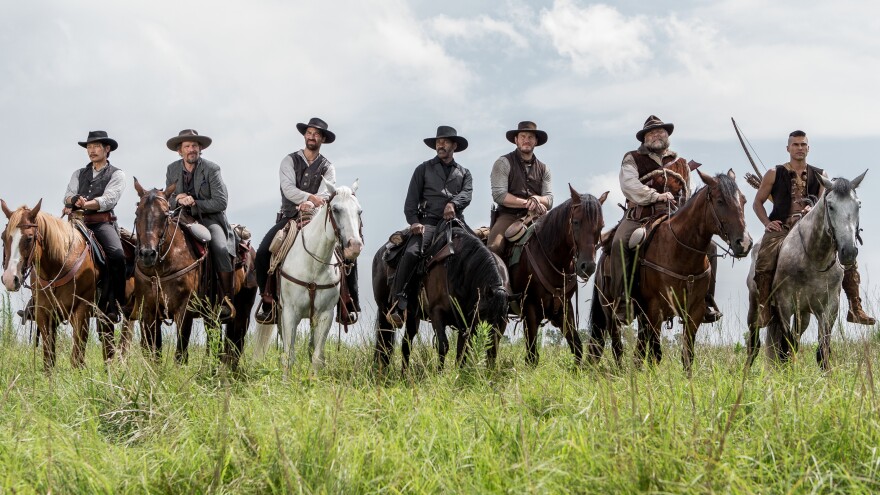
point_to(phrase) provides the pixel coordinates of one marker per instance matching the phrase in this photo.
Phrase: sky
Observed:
(385, 74)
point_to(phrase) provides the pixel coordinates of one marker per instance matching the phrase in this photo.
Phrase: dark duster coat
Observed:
(431, 188)
(210, 195)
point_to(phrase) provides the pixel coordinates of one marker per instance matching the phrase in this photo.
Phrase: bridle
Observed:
(169, 214)
(720, 225)
(829, 230)
(337, 234)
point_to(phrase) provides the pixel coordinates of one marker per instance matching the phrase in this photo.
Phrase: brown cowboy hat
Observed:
(652, 123)
(527, 126)
(319, 124)
(447, 132)
(99, 137)
(188, 135)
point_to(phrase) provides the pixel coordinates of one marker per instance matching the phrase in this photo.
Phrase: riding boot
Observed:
(764, 283)
(266, 311)
(116, 303)
(397, 314)
(28, 312)
(623, 310)
(856, 314)
(352, 302)
(712, 313)
(227, 309)
(402, 278)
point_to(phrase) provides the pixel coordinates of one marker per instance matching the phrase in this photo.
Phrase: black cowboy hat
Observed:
(319, 124)
(527, 126)
(99, 137)
(652, 123)
(444, 131)
(188, 135)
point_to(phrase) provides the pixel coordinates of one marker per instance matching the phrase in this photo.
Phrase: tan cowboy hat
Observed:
(99, 137)
(188, 135)
(652, 123)
(444, 131)
(527, 126)
(319, 124)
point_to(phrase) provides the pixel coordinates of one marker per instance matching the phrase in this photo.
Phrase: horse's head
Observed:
(586, 229)
(344, 211)
(151, 222)
(842, 212)
(726, 204)
(21, 244)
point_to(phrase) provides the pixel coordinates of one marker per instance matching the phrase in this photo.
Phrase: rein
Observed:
(829, 231)
(63, 277)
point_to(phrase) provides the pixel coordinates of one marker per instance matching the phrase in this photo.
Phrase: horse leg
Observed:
(494, 344)
(184, 331)
(753, 341)
(320, 328)
(412, 328)
(640, 354)
(106, 330)
(565, 321)
(599, 323)
(47, 325)
(531, 329)
(233, 344)
(688, 338)
(826, 324)
(287, 325)
(442, 343)
(384, 343)
(79, 321)
(616, 340)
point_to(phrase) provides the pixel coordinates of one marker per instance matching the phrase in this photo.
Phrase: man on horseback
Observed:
(647, 200)
(95, 189)
(439, 190)
(793, 187)
(301, 191)
(201, 192)
(521, 185)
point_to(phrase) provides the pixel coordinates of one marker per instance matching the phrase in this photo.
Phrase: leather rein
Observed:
(156, 279)
(63, 277)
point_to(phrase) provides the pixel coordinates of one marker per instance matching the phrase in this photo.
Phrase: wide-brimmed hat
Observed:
(527, 126)
(188, 135)
(444, 131)
(652, 123)
(99, 137)
(319, 124)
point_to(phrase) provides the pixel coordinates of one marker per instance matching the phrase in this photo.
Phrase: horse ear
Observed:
(138, 187)
(354, 187)
(331, 188)
(858, 180)
(169, 190)
(6, 209)
(603, 197)
(826, 182)
(32, 215)
(731, 174)
(707, 179)
(575, 196)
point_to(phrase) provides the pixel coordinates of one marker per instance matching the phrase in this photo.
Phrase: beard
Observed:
(657, 145)
(313, 146)
(192, 158)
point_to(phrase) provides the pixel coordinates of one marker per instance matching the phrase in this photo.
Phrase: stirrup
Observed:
(266, 316)
(395, 318)
(226, 305)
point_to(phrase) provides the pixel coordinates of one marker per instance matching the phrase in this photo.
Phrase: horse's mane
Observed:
(841, 186)
(57, 233)
(555, 223)
(726, 185)
(473, 272)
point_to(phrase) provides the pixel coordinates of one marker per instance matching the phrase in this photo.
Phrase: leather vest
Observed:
(90, 187)
(521, 183)
(308, 179)
(781, 191)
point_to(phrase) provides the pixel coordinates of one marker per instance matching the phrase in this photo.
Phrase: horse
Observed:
(674, 271)
(561, 249)
(464, 285)
(168, 275)
(64, 279)
(310, 275)
(809, 274)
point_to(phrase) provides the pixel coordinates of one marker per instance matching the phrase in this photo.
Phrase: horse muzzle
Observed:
(586, 268)
(847, 255)
(353, 249)
(742, 246)
(148, 257)
(11, 280)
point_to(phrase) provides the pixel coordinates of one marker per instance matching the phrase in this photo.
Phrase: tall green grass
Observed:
(139, 427)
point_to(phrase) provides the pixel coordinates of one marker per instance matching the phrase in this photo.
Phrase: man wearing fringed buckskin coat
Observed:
(439, 190)
(644, 202)
(200, 190)
(790, 186)
(521, 184)
(300, 176)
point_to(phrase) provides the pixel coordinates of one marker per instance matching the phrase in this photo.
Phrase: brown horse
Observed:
(561, 249)
(168, 276)
(673, 273)
(464, 285)
(64, 278)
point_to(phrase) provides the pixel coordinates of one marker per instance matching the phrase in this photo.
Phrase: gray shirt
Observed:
(498, 181)
(112, 192)
(287, 177)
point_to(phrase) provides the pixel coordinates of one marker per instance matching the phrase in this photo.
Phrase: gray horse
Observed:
(809, 273)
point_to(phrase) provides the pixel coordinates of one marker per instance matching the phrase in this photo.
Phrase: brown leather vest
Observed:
(523, 184)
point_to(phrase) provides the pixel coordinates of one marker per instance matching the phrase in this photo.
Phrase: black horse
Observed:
(460, 290)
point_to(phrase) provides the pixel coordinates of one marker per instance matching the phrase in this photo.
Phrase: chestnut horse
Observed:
(464, 288)
(168, 275)
(674, 271)
(64, 278)
(561, 249)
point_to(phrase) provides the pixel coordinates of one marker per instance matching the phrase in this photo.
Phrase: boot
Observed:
(28, 312)
(266, 313)
(397, 314)
(117, 301)
(227, 310)
(352, 302)
(856, 314)
(764, 282)
(712, 313)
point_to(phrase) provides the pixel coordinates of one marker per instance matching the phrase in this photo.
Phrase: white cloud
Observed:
(597, 37)
(477, 29)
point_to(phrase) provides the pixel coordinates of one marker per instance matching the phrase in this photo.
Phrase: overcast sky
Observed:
(385, 74)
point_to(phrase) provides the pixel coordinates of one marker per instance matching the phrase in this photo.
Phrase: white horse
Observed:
(809, 273)
(310, 275)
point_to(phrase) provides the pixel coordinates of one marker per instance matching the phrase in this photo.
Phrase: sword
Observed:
(752, 180)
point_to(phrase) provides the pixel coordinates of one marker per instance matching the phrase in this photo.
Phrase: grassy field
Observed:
(139, 428)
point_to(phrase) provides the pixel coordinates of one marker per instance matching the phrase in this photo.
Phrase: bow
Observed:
(752, 179)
